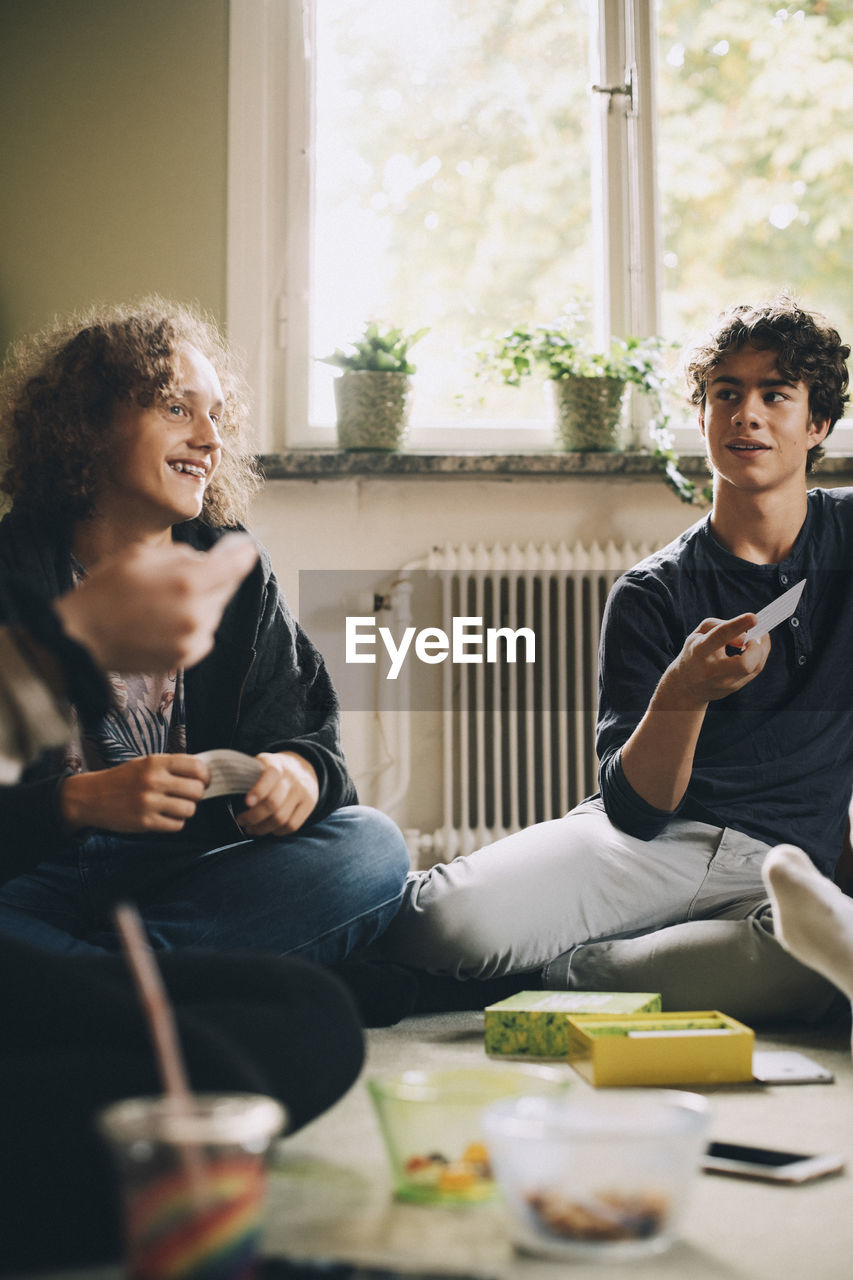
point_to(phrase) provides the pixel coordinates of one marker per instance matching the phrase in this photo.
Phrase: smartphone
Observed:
(768, 1165)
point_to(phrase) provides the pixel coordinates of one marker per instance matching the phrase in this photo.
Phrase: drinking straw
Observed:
(161, 1023)
(155, 1003)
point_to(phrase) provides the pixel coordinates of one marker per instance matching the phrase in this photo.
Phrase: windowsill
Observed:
(331, 464)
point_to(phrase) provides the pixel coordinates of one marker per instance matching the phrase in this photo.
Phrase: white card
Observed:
(775, 612)
(231, 772)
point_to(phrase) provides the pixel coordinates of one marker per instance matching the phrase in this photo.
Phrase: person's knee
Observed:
(292, 1024)
(375, 846)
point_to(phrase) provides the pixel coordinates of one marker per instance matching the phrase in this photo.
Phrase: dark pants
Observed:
(72, 1038)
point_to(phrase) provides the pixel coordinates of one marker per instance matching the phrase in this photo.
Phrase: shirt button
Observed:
(783, 578)
(802, 660)
(795, 622)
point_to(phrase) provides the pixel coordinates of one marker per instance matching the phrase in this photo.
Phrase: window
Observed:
(449, 163)
(754, 170)
(452, 181)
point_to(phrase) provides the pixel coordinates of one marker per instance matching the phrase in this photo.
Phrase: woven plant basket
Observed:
(373, 409)
(588, 413)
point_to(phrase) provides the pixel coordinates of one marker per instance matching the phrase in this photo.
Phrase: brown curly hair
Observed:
(58, 391)
(807, 347)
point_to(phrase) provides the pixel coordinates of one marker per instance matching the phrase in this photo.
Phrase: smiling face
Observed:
(164, 455)
(757, 424)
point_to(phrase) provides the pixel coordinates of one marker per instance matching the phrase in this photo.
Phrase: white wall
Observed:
(368, 523)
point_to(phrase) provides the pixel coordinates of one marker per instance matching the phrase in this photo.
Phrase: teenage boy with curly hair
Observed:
(126, 428)
(712, 749)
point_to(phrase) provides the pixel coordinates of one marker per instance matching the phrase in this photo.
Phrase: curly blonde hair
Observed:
(59, 389)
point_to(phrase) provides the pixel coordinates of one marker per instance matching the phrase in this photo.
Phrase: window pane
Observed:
(452, 183)
(755, 156)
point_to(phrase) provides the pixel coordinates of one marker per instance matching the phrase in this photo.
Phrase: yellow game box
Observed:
(705, 1047)
(532, 1024)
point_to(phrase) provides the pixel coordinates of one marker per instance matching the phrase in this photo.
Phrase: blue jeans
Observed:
(318, 893)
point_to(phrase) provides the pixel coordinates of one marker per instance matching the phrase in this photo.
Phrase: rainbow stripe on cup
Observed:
(208, 1228)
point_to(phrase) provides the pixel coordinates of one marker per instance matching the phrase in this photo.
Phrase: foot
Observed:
(813, 918)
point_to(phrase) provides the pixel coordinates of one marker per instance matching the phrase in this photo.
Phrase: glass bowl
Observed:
(430, 1121)
(597, 1176)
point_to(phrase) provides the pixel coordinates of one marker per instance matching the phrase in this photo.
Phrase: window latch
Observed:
(625, 90)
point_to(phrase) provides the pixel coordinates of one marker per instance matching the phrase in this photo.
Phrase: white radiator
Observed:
(518, 739)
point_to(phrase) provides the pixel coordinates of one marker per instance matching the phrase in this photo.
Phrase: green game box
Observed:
(534, 1024)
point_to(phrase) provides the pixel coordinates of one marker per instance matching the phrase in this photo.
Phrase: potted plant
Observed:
(588, 385)
(373, 393)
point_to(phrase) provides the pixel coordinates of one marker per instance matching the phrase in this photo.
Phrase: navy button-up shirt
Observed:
(775, 759)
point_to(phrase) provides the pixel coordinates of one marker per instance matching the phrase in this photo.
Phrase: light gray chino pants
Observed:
(587, 907)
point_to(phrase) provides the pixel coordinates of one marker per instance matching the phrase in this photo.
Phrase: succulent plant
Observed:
(381, 350)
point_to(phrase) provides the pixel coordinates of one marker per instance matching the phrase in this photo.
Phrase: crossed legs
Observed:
(319, 894)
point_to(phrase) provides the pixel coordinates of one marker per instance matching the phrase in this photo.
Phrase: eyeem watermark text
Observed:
(466, 643)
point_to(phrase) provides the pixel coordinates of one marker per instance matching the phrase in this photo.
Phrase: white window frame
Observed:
(270, 94)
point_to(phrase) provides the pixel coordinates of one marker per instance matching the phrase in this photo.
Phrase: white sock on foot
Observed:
(813, 919)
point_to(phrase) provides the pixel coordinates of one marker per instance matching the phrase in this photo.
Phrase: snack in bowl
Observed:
(430, 1121)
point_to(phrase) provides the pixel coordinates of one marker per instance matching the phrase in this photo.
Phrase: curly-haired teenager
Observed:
(711, 750)
(126, 428)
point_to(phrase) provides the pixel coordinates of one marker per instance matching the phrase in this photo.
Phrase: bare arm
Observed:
(657, 759)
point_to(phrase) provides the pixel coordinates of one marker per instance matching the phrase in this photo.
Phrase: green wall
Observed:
(113, 126)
